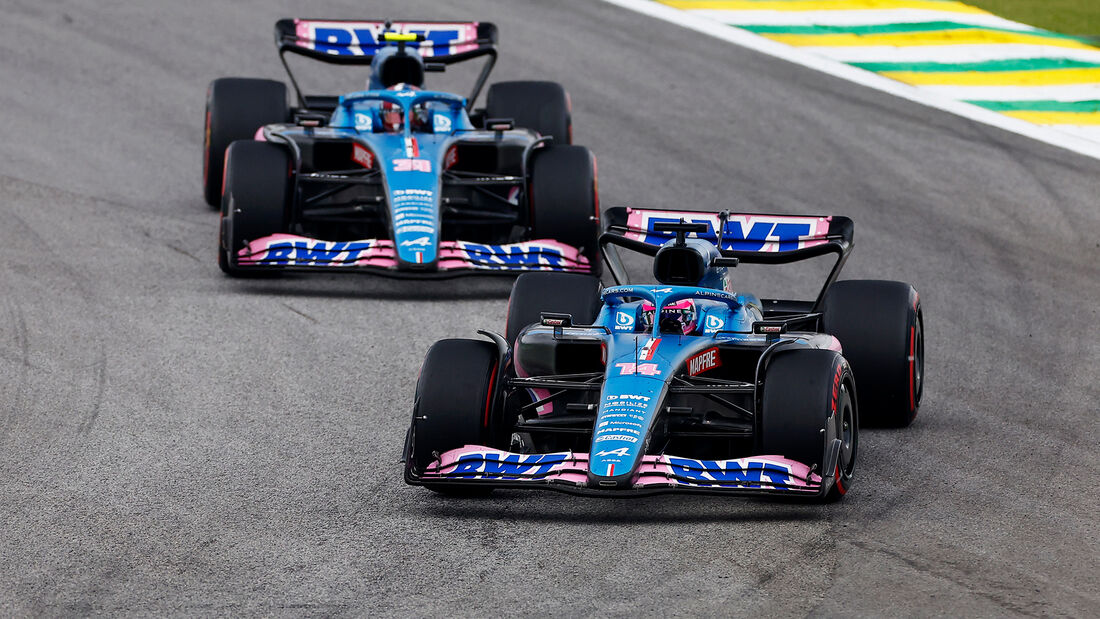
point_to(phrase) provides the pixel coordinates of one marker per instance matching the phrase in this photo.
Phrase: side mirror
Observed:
(500, 124)
(772, 330)
(310, 119)
(551, 319)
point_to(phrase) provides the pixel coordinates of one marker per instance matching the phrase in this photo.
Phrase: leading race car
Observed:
(395, 179)
(683, 386)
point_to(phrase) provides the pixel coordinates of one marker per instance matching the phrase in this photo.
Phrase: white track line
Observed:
(1072, 92)
(760, 44)
(869, 17)
(1087, 131)
(951, 54)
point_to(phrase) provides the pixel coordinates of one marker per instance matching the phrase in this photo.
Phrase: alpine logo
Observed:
(420, 242)
(621, 452)
(704, 361)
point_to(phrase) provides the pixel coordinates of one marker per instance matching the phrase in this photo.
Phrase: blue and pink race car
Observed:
(396, 179)
(684, 385)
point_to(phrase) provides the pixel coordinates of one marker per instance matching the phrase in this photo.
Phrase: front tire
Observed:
(255, 201)
(564, 293)
(807, 404)
(235, 108)
(881, 330)
(565, 200)
(453, 403)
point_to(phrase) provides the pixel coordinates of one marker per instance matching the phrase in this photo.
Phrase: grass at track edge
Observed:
(1075, 17)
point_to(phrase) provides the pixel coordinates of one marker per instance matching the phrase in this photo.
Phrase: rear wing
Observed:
(353, 42)
(758, 238)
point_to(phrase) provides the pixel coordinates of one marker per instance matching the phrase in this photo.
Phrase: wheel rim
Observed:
(846, 431)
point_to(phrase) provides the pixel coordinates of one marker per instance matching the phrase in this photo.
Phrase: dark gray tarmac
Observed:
(175, 442)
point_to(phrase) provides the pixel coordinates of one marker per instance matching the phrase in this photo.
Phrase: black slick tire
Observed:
(881, 329)
(254, 204)
(808, 402)
(540, 106)
(564, 199)
(563, 293)
(235, 108)
(452, 406)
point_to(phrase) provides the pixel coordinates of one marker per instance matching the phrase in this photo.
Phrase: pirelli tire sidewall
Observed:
(236, 107)
(880, 326)
(564, 199)
(255, 202)
(454, 399)
(808, 403)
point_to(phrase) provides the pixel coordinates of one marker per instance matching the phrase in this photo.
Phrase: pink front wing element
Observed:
(292, 250)
(288, 250)
(353, 35)
(738, 227)
(477, 462)
(656, 471)
(547, 254)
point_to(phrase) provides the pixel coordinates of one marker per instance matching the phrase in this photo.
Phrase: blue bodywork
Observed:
(401, 181)
(411, 162)
(662, 392)
(640, 365)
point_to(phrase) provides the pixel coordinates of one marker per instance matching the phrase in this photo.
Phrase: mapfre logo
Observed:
(362, 156)
(704, 361)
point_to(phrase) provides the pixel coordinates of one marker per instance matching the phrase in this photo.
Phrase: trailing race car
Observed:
(681, 386)
(395, 179)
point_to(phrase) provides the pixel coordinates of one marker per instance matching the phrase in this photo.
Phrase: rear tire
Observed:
(881, 330)
(564, 199)
(254, 205)
(235, 108)
(802, 415)
(565, 293)
(453, 396)
(540, 106)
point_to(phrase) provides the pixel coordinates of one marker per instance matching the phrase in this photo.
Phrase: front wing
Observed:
(474, 465)
(287, 251)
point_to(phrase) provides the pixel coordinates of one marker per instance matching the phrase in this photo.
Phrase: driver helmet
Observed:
(392, 116)
(676, 318)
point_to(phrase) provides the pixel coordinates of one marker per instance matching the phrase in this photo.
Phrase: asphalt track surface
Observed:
(172, 441)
